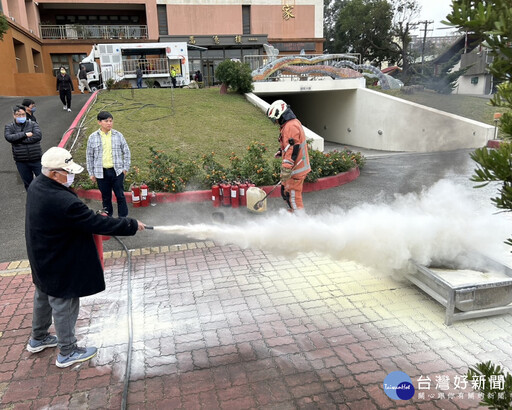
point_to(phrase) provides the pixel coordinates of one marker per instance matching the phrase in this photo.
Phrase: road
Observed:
(384, 176)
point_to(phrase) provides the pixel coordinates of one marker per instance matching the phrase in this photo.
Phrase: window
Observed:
(71, 62)
(162, 19)
(58, 61)
(246, 19)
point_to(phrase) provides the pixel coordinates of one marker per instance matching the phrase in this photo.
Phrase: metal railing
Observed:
(149, 66)
(80, 32)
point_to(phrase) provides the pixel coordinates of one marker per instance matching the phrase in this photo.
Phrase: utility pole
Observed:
(426, 23)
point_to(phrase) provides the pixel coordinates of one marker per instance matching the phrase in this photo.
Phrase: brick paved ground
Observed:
(223, 328)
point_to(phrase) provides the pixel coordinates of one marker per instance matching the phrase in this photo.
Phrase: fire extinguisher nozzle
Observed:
(150, 227)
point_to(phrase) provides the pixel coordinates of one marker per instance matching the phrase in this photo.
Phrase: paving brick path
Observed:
(224, 328)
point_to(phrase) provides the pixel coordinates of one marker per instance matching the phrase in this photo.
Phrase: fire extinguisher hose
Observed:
(130, 325)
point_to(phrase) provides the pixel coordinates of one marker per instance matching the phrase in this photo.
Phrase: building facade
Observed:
(47, 34)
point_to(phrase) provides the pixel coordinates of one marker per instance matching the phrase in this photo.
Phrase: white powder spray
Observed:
(438, 224)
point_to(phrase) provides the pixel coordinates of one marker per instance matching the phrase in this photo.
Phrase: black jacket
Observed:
(24, 149)
(59, 231)
(64, 83)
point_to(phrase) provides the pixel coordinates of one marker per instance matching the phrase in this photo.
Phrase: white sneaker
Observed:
(69, 109)
(64, 108)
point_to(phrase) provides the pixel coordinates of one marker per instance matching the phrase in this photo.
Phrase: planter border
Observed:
(206, 195)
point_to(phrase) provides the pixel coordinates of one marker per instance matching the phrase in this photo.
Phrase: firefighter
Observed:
(293, 152)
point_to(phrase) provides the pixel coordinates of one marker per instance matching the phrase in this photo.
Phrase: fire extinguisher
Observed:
(235, 191)
(243, 189)
(135, 195)
(144, 194)
(250, 184)
(225, 189)
(215, 195)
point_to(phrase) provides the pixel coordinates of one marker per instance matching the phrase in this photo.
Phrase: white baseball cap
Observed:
(60, 158)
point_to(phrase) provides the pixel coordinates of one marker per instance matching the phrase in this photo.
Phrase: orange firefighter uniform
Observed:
(295, 162)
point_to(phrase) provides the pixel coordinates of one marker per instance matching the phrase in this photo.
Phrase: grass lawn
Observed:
(194, 121)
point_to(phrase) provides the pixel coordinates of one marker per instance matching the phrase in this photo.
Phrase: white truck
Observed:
(120, 61)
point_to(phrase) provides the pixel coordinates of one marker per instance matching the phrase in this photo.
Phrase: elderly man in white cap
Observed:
(64, 260)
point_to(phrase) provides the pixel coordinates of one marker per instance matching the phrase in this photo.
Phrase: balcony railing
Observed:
(79, 32)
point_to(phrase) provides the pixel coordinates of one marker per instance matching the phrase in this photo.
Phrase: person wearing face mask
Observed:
(65, 87)
(30, 108)
(64, 261)
(25, 138)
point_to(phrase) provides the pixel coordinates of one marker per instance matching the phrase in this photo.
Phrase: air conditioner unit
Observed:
(12, 18)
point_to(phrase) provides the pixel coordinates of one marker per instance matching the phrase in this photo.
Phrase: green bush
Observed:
(332, 163)
(235, 75)
(171, 172)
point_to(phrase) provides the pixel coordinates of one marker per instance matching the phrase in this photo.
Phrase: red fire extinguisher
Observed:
(225, 189)
(235, 197)
(215, 195)
(135, 195)
(250, 184)
(144, 194)
(243, 189)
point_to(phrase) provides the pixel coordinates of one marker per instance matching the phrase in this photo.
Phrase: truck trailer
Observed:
(119, 62)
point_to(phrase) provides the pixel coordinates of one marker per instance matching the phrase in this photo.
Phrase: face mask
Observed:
(70, 179)
(21, 120)
(33, 109)
(63, 71)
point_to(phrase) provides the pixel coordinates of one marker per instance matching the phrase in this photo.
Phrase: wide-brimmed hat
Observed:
(60, 158)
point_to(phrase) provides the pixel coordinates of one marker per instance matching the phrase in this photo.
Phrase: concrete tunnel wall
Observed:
(369, 119)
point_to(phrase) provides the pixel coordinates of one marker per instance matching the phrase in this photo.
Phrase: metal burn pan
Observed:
(473, 286)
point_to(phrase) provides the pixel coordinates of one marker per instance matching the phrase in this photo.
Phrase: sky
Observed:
(435, 10)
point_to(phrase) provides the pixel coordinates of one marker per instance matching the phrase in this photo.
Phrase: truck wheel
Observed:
(94, 87)
(156, 85)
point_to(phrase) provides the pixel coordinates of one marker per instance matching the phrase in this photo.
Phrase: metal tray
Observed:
(473, 286)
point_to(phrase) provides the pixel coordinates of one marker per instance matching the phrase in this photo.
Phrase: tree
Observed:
(4, 26)
(491, 21)
(235, 75)
(444, 80)
(360, 26)
(406, 12)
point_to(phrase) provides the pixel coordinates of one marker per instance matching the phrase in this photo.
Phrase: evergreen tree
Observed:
(491, 20)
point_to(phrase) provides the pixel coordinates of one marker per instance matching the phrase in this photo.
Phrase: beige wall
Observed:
(269, 20)
(204, 19)
(227, 19)
(382, 122)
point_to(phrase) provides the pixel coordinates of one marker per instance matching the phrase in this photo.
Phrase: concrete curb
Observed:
(77, 119)
(206, 195)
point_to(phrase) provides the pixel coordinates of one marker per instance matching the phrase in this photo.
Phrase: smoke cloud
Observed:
(438, 224)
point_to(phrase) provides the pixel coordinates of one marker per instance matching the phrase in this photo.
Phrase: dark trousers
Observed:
(65, 314)
(65, 97)
(173, 79)
(109, 182)
(27, 170)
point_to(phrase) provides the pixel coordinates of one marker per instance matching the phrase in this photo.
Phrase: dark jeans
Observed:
(109, 182)
(65, 97)
(27, 170)
(139, 82)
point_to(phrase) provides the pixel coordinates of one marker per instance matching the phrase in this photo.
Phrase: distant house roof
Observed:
(391, 70)
(469, 42)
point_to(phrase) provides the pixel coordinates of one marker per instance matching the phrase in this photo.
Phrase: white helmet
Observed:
(276, 109)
